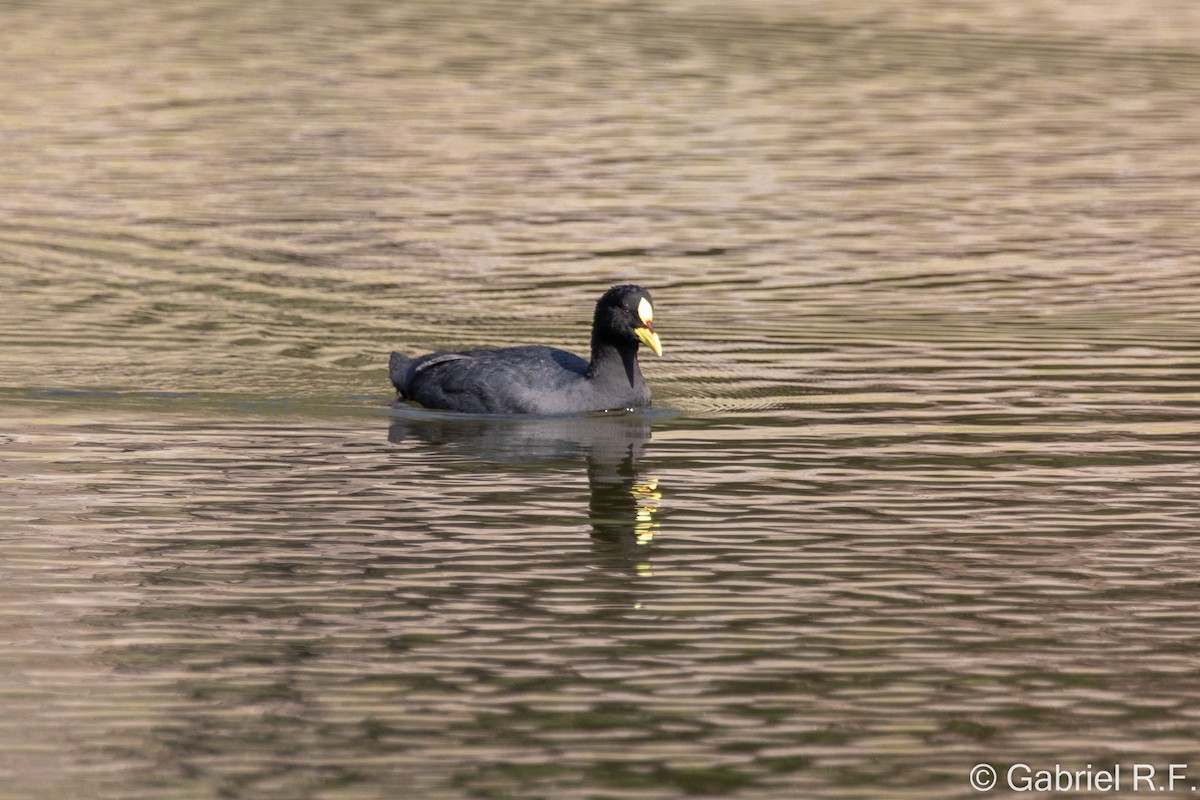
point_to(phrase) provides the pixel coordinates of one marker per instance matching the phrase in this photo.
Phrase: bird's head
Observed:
(626, 314)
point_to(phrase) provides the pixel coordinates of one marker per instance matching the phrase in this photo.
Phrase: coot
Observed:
(535, 379)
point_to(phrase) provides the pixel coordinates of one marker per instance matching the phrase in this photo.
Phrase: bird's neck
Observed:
(619, 360)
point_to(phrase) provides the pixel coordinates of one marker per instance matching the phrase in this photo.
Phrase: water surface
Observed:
(918, 491)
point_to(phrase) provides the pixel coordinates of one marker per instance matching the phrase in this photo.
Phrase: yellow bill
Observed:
(649, 338)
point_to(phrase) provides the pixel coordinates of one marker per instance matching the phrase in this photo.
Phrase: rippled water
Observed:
(919, 490)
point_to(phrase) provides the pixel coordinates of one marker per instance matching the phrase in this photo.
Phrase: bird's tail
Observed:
(398, 371)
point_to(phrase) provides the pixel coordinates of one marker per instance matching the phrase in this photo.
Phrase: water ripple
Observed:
(918, 492)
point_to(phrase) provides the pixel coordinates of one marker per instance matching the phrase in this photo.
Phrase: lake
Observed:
(918, 490)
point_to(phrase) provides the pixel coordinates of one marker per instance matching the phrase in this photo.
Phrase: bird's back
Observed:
(533, 379)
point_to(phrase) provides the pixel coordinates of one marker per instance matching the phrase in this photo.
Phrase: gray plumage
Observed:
(535, 379)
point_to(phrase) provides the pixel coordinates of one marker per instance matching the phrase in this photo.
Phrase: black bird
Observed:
(535, 379)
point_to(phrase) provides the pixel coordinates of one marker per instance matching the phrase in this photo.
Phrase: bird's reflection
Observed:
(623, 504)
